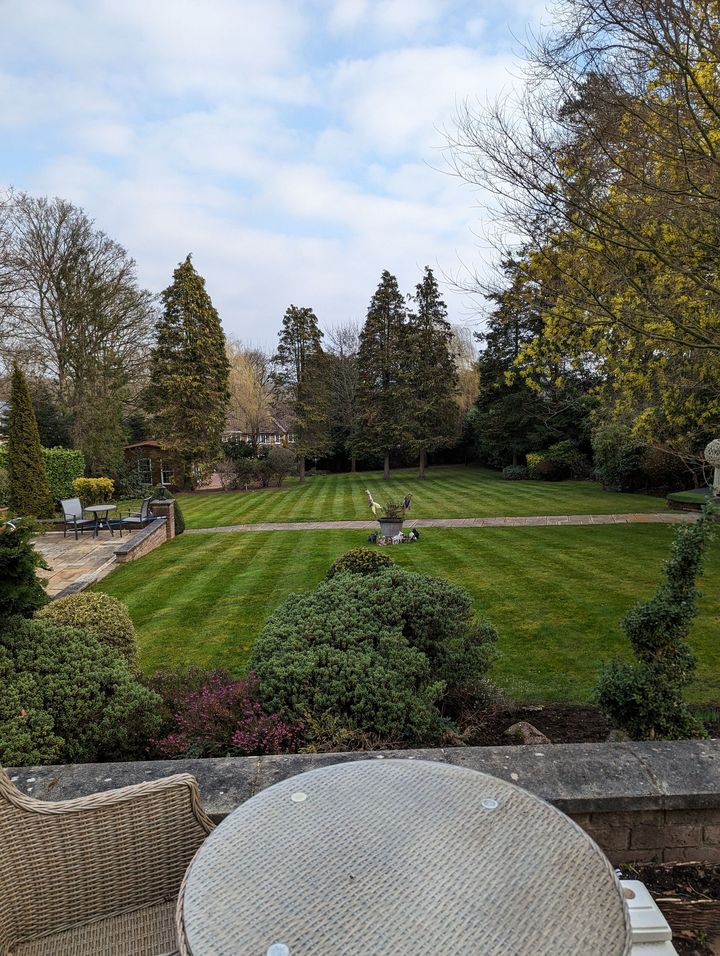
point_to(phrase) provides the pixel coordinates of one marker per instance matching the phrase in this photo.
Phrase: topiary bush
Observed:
(515, 472)
(645, 697)
(68, 699)
(359, 561)
(101, 615)
(93, 491)
(29, 491)
(21, 590)
(382, 652)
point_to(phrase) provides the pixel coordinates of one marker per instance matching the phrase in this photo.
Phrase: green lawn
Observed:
(448, 492)
(556, 595)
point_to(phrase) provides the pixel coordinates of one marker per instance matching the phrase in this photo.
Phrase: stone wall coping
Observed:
(127, 547)
(576, 778)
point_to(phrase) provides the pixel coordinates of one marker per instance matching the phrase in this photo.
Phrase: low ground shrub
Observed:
(382, 652)
(359, 561)
(515, 472)
(94, 491)
(68, 699)
(212, 714)
(558, 462)
(101, 615)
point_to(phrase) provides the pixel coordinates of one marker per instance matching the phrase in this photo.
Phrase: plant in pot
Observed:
(391, 519)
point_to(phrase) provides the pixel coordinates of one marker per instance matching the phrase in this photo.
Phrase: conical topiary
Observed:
(29, 489)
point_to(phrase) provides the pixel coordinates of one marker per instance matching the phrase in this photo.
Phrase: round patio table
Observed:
(102, 513)
(400, 858)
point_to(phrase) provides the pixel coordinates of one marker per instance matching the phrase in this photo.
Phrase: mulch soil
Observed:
(688, 894)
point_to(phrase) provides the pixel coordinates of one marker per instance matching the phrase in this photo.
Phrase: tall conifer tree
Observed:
(383, 387)
(190, 371)
(302, 374)
(432, 412)
(29, 487)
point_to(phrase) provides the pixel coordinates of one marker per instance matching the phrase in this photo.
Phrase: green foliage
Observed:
(189, 373)
(21, 591)
(100, 615)
(618, 457)
(380, 651)
(4, 486)
(282, 460)
(69, 699)
(645, 698)
(93, 491)
(557, 463)
(431, 415)
(162, 494)
(384, 389)
(359, 561)
(63, 466)
(515, 473)
(303, 375)
(29, 489)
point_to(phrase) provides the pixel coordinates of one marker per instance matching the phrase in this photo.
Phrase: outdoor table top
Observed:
(400, 857)
(101, 508)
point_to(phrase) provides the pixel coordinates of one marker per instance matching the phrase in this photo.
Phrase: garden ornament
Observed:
(712, 457)
(374, 506)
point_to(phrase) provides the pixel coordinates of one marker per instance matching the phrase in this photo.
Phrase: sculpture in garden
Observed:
(712, 457)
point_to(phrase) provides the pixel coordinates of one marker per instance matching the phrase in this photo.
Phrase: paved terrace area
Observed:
(80, 562)
(541, 521)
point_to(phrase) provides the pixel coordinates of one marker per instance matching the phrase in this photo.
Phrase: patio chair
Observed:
(98, 874)
(137, 519)
(73, 515)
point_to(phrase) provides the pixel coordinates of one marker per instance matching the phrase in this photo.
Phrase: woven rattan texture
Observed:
(403, 858)
(74, 862)
(146, 932)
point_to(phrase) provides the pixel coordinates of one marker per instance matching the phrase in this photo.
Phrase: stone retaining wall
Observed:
(639, 801)
(141, 543)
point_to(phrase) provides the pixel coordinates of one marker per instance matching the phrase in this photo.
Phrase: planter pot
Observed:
(390, 526)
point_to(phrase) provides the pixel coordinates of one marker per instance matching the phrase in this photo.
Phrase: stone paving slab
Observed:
(76, 563)
(534, 521)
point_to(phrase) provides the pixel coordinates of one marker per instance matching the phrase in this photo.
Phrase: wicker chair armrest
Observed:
(111, 852)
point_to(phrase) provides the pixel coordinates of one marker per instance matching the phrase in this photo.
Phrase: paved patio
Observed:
(80, 562)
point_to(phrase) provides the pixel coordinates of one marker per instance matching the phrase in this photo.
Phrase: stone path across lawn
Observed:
(541, 521)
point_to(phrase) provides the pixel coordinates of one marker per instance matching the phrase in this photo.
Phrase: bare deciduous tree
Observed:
(343, 343)
(252, 390)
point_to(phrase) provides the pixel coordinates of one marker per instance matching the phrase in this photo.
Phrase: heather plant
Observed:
(382, 652)
(645, 697)
(220, 716)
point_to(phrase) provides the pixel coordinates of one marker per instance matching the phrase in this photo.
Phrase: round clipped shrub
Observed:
(515, 472)
(68, 699)
(359, 561)
(379, 651)
(101, 615)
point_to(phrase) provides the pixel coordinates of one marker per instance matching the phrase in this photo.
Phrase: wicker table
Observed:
(400, 858)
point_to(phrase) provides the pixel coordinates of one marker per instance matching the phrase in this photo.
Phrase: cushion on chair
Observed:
(149, 931)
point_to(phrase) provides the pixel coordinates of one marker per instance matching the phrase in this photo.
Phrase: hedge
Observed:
(63, 466)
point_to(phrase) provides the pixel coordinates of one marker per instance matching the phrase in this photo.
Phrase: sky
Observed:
(296, 147)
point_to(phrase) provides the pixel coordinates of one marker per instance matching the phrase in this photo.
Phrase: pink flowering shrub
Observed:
(218, 715)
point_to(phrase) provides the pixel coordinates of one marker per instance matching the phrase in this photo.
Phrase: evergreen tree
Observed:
(383, 386)
(301, 374)
(29, 487)
(432, 373)
(645, 697)
(189, 373)
(21, 590)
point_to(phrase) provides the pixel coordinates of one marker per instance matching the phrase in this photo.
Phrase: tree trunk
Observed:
(353, 464)
(386, 467)
(301, 468)
(514, 461)
(423, 463)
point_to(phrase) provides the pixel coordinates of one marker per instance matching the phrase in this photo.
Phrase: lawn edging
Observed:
(641, 801)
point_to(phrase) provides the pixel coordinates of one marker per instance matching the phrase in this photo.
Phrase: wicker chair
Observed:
(98, 875)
